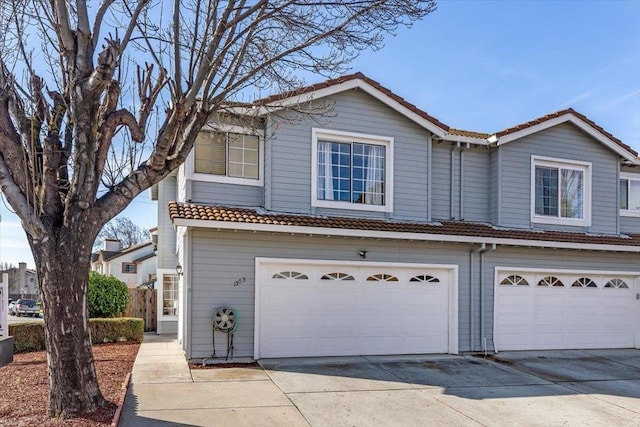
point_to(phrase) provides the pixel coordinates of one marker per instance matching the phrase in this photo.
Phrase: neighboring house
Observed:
(135, 265)
(23, 282)
(377, 229)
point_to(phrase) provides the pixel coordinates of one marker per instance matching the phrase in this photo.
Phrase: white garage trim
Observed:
(261, 263)
(586, 304)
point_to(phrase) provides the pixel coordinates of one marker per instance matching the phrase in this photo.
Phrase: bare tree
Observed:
(78, 80)
(124, 230)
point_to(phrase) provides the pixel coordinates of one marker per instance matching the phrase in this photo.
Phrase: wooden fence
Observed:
(142, 304)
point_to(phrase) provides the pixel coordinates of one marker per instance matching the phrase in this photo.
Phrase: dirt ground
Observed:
(24, 386)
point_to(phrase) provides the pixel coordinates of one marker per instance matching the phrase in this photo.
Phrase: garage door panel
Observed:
(320, 317)
(570, 317)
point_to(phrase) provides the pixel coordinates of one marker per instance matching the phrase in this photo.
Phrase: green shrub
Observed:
(30, 336)
(118, 329)
(107, 296)
(27, 336)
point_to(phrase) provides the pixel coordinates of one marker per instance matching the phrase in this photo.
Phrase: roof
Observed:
(343, 79)
(109, 255)
(448, 132)
(561, 113)
(450, 228)
(144, 257)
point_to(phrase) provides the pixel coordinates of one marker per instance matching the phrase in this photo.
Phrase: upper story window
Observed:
(561, 192)
(352, 171)
(629, 194)
(230, 155)
(129, 267)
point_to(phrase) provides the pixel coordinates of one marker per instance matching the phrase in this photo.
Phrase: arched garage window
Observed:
(514, 280)
(423, 278)
(337, 276)
(616, 283)
(550, 281)
(290, 275)
(584, 282)
(382, 277)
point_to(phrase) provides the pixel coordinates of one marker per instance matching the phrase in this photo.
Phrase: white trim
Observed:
(576, 121)
(585, 167)
(632, 177)
(160, 273)
(350, 137)
(190, 170)
(324, 231)
(453, 291)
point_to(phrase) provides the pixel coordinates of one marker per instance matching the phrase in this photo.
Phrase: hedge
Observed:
(30, 336)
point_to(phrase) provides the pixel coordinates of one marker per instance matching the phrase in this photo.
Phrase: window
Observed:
(616, 283)
(629, 194)
(382, 277)
(337, 276)
(352, 171)
(514, 280)
(424, 278)
(561, 192)
(551, 281)
(129, 267)
(230, 157)
(170, 295)
(584, 282)
(290, 275)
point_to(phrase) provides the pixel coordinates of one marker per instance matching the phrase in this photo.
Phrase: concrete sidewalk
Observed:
(164, 392)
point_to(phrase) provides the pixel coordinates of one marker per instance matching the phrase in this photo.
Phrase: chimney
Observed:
(111, 245)
(22, 277)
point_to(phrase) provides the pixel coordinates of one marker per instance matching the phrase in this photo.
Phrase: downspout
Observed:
(429, 174)
(618, 201)
(482, 308)
(472, 294)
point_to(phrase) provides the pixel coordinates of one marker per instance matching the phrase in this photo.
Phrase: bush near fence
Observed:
(30, 336)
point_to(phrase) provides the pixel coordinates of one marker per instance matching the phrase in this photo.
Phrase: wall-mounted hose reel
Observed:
(225, 320)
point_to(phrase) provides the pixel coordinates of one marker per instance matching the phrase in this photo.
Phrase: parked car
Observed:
(26, 307)
(12, 307)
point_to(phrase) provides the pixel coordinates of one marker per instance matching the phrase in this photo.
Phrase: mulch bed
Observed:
(24, 387)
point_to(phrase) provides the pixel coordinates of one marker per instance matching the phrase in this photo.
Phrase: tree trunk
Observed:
(63, 263)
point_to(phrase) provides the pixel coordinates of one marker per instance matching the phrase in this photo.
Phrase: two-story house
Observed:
(135, 265)
(377, 229)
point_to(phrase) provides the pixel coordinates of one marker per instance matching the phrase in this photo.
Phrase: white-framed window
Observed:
(560, 191)
(228, 154)
(351, 171)
(629, 194)
(170, 284)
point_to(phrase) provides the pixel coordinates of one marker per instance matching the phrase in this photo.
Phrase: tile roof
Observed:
(469, 133)
(342, 79)
(455, 228)
(562, 113)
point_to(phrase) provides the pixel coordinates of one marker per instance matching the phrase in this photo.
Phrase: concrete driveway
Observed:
(515, 388)
(519, 388)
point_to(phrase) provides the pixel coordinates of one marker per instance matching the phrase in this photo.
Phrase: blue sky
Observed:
(488, 65)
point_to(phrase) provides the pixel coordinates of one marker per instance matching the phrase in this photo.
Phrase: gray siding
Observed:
(220, 258)
(629, 225)
(353, 111)
(476, 185)
(564, 141)
(226, 194)
(166, 253)
(441, 186)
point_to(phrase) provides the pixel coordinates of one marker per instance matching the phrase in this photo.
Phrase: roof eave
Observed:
(375, 234)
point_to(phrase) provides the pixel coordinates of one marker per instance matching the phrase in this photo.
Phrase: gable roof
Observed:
(562, 116)
(110, 255)
(348, 82)
(441, 130)
(221, 217)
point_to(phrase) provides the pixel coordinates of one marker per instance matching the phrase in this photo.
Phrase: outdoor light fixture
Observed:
(179, 269)
(362, 254)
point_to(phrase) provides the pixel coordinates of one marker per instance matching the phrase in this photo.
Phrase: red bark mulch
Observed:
(24, 387)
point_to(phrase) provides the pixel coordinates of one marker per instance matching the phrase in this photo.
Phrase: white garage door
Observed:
(315, 308)
(539, 310)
